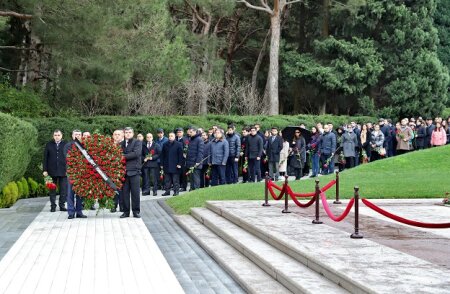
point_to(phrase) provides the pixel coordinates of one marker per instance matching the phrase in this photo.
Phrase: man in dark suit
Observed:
(253, 154)
(54, 165)
(274, 146)
(180, 138)
(151, 152)
(132, 150)
(74, 202)
(171, 159)
(194, 156)
(118, 137)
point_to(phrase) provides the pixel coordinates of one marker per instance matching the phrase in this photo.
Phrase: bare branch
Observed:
(16, 15)
(237, 47)
(260, 8)
(293, 1)
(17, 48)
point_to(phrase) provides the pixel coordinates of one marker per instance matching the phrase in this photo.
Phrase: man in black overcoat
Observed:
(54, 165)
(132, 150)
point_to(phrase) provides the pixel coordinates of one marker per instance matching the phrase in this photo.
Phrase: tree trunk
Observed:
(274, 62)
(323, 107)
(258, 64)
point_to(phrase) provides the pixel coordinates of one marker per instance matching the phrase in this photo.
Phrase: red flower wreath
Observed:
(86, 182)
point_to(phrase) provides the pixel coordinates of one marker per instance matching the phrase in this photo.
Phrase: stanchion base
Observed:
(337, 202)
(317, 222)
(356, 236)
(266, 204)
(285, 211)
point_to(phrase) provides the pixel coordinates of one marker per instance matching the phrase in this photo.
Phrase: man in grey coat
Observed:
(327, 147)
(349, 143)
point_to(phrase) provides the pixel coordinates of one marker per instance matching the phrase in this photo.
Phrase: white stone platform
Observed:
(100, 254)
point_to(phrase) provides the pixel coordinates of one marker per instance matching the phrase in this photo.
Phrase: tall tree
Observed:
(275, 13)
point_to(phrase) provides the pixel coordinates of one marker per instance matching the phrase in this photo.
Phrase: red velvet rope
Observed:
(328, 186)
(275, 185)
(330, 214)
(274, 195)
(298, 203)
(404, 220)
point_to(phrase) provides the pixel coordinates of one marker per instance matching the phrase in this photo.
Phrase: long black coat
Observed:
(274, 149)
(184, 141)
(421, 137)
(133, 155)
(171, 156)
(156, 148)
(54, 159)
(195, 152)
(254, 147)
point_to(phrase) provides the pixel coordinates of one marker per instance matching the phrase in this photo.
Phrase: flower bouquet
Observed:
(328, 161)
(150, 155)
(86, 181)
(364, 157)
(245, 167)
(208, 174)
(341, 158)
(161, 175)
(49, 183)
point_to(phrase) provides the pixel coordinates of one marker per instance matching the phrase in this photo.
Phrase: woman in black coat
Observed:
(297, 155)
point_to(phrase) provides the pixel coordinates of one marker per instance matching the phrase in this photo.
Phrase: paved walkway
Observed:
(43, 252)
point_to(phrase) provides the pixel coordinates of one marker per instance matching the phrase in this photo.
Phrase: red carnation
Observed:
(161, 177)
(152, 152)
(207, 177)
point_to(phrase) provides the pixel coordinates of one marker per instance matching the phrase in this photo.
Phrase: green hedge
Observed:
(145, 124)
(23, 188)
(17, 146)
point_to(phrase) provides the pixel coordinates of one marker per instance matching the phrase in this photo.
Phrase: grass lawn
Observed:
(419, 174)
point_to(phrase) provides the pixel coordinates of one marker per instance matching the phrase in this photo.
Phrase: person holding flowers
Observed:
(243, 162)
(234, 142)
(206, 169)
(54, 166)
(376, 143)
(74, 202)
(327, 148)
(194, 157)
(171, 160)
(151, 153)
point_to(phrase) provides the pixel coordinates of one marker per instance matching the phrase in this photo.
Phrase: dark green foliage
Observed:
(414, 80)
(21, 103)
(17, 147)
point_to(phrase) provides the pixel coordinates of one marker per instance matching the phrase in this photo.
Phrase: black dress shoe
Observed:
(81, 216)
(70, 217)
(176, 194)
(53, 209)
(146, 193)
(92, 207)
(155, 193)
(113, 210)
(124, 215)
(62, 209)
(136, 215)
(166, 194)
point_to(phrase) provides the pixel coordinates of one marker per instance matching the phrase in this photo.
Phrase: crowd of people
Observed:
(217, 156)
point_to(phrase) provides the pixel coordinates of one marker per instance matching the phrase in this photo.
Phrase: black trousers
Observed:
(254, 169)
(349, 162)
(131, 186)
(62, 184)
(150, 174)
(204, 182)
(118, 200)
(172, 179)
(195, 179)
(183, 178)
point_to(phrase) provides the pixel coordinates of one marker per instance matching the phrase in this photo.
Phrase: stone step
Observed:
(252, 278)
(358, 265)
(289, 272)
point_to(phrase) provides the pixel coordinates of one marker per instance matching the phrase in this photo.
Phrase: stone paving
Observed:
(15, 220)
(44, 252)
(366, 265)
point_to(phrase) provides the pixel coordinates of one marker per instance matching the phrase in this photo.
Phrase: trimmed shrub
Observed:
(446, 113)
(25, 188)
(19, 189)
(17, 146)
(33, 187)
(9, 195)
